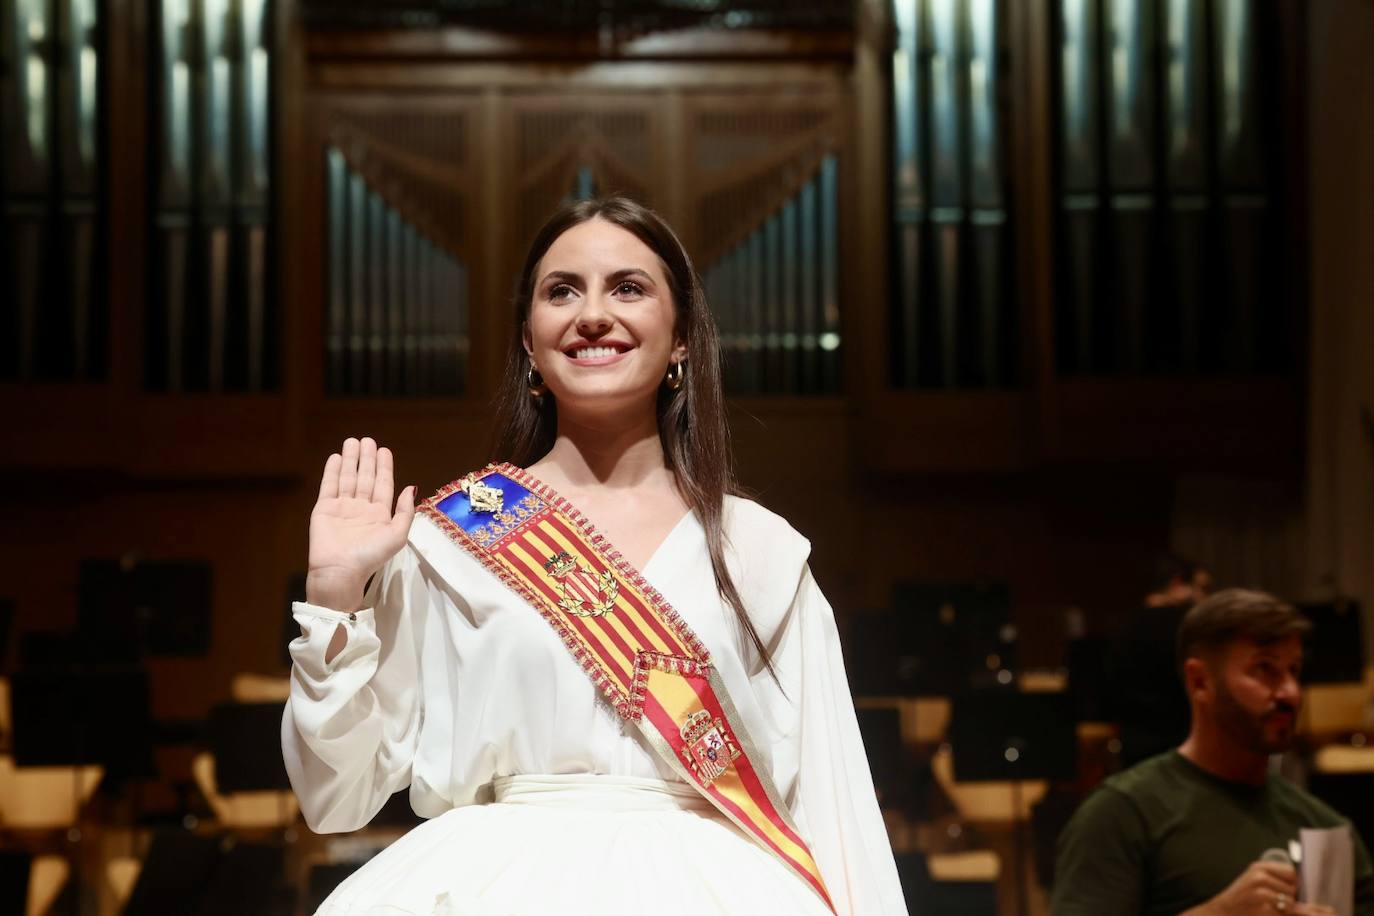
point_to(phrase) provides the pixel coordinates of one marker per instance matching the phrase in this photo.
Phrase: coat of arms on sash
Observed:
(485, 498)
(584, 593)
(708, 746)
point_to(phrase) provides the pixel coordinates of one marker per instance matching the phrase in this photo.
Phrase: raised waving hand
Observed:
(353, 529)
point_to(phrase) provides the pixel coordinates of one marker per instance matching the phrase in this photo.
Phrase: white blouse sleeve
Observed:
(350, 728)
(833, 797)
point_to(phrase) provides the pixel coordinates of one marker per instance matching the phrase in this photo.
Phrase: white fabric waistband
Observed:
(590, 791)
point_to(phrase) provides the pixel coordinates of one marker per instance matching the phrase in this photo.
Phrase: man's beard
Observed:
(1249, 729)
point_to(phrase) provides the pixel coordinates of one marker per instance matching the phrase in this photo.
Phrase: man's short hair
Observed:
(1236, 613)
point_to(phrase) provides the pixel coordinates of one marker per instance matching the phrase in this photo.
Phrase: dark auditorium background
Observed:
(1016, 298)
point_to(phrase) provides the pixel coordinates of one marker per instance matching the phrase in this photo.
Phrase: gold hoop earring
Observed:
(677, 374)
(537, 388)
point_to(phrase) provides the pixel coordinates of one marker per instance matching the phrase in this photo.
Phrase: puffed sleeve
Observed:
(834, 800)
(351, 724)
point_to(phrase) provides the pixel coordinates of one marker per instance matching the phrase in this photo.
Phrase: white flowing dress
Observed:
(540, 799)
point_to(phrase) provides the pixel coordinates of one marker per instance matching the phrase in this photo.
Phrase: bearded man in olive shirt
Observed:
(1183, 832)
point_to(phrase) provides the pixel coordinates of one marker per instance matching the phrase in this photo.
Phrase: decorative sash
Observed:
(646, 661)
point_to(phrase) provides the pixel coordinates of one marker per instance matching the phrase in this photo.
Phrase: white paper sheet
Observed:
(1328, 868)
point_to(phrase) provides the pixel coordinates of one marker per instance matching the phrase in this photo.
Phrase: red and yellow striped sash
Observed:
(643, 657)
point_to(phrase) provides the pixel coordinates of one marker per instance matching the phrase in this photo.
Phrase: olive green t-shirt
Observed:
(1165, 836)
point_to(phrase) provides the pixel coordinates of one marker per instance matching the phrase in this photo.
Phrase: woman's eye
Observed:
(629, 288)
(561, 291)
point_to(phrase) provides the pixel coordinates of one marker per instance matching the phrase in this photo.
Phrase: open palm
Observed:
(353, 530)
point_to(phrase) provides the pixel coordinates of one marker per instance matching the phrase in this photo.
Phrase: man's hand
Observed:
(1261, 890)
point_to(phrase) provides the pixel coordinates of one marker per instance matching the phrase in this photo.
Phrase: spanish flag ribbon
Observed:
(642, 656)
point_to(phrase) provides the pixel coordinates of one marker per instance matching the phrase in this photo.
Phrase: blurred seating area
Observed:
(979, 763)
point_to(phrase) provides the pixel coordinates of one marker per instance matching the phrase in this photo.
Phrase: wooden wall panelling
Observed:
(1240, 425)
(430, 75)
(472, 44)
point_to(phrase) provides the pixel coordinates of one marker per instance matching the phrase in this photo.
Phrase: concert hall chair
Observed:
(47, 876)
(260, 810)
(247, 687)
(6, 717)
(1330, 709)
(952, 884)
(1342, 775)
(924, 719)
(986, 802)
(44, 798)
(121, 874)
(241, 775)
(31, 884)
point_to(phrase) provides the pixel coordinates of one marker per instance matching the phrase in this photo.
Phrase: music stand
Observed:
(246, 741)
(186, 872)
(248, 880)
(6, 629)
(960, 633)
(81, 716)
(1334, 648)
(944, 898)
(1086, 659)
(1000, 736)
(880, 656)
(175, 875)
(15, 868)
(132, 609)
(881, 731)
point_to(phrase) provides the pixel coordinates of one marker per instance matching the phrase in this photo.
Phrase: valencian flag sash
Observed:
(643, 657)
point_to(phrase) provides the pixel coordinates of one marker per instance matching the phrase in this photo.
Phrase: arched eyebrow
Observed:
(626, 273)
(576, 279)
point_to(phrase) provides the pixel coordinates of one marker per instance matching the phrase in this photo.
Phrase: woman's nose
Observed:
(593, 320)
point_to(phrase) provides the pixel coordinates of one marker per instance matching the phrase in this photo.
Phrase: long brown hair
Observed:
(691, 420)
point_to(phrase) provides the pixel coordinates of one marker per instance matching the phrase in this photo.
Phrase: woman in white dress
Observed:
(540, 797)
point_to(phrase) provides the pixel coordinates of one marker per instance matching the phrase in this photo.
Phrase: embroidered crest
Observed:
(584, 593)
(708, 746)
(481, 497)
(485, 498)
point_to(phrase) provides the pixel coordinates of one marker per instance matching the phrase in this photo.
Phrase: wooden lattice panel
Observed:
(613, 136)
(727, 138)
(416, 156)
(750, 155)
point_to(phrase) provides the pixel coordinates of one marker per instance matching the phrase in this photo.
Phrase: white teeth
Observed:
(594, 352)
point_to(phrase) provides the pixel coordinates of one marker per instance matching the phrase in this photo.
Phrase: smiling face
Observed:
(601, 326)
(1256, 693)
